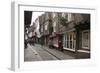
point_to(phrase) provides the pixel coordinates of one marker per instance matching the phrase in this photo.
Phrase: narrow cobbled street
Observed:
(42, 53)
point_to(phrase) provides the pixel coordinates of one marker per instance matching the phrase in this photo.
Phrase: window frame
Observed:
(68, 39)
(88, 39)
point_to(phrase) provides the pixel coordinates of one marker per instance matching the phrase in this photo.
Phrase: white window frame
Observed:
(88, 39)
(72, 39)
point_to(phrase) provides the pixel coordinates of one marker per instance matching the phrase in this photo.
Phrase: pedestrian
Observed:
(41, 44)
(50, 43)
(25, 40)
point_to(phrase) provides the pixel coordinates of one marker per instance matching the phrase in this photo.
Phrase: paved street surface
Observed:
(42, 53)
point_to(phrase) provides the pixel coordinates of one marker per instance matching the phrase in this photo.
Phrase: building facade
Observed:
(67, 31)
(77, 35)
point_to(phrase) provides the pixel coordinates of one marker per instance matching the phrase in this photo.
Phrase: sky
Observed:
(34, 17)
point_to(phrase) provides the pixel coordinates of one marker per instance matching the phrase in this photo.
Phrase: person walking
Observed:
(50, 43)
(25, 40)
(41, 44)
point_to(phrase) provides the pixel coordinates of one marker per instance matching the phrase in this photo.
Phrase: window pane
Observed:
(85, 43)
(70, 37)
(67, 44)
(85, 35)
(64, 43)
(67, 37)
(71, 44)
(85, 39)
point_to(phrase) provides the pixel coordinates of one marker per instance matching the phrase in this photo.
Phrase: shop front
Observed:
(69, 41)
(56, 40)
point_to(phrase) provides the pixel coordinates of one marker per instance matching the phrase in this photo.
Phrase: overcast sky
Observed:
(35, 15)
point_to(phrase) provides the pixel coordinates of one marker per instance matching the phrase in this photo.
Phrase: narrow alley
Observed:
(42, 53)
(56, 36)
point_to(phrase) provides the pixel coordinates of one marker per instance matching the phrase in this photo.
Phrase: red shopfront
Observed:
(56, 40)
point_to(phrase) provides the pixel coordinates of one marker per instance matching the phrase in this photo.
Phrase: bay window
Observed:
(69, 41)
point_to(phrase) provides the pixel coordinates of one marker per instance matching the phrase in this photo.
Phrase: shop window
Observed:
(86, 39)
(69, 40)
